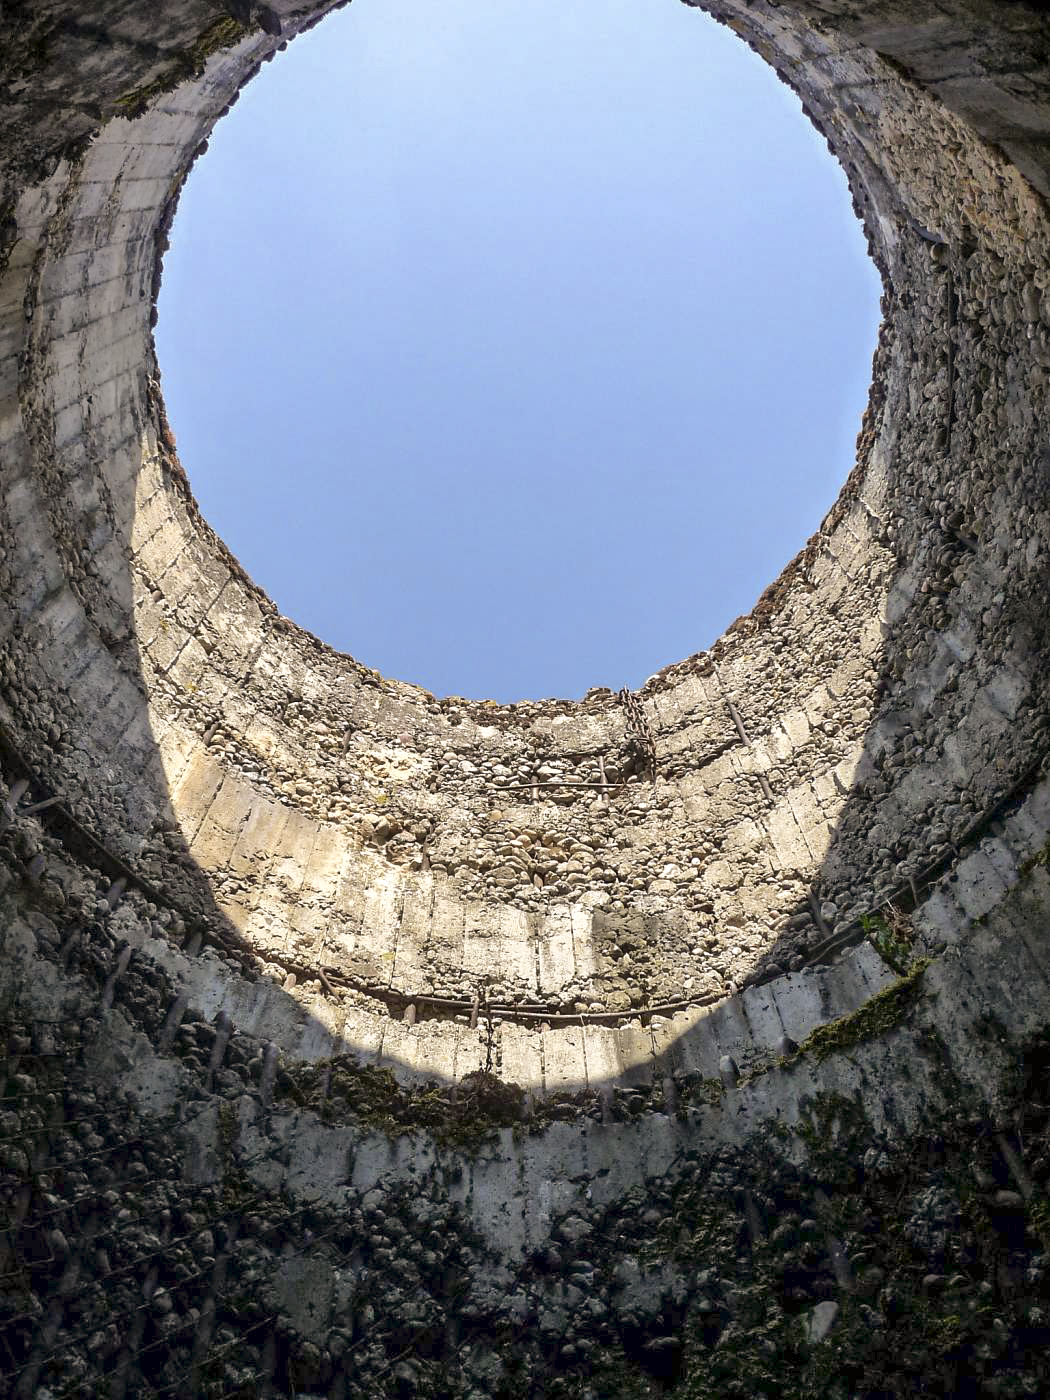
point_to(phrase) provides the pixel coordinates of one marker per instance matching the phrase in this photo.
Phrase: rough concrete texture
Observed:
(365, 1043)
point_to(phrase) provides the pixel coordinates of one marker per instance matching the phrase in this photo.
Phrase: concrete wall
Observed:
(263, 857)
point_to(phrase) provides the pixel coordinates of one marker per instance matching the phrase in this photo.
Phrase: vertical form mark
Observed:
(734, 715)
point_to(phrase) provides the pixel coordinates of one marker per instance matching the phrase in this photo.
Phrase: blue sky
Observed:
(514, 348)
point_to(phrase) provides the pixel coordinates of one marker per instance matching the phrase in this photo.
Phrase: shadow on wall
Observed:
(126, 622)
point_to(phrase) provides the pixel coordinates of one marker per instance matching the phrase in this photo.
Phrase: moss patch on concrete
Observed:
(187, 63)
(464, 1116)
(945, 1275)
(881, 1013)
(891, 934)
(1041, 857)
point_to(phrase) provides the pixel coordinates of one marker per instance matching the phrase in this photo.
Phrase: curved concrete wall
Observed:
(570, 895)
(881, 700)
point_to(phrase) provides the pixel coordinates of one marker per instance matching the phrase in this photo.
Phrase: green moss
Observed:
(700, 1091)
(825, 1117)
(464, 1117)
(945, 1332)
(881, 1013)
(187, 63)
(1039, 1219)
(934, 1307)
(834, 1129)
(891, 934)
(563, 1105)
(1041, 857)
(227, 1132)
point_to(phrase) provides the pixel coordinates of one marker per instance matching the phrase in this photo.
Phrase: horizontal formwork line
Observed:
(906, 894)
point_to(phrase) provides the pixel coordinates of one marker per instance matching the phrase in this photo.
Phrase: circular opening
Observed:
(516, 351)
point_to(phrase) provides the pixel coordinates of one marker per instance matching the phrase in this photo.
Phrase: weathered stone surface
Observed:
(395, 1043)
